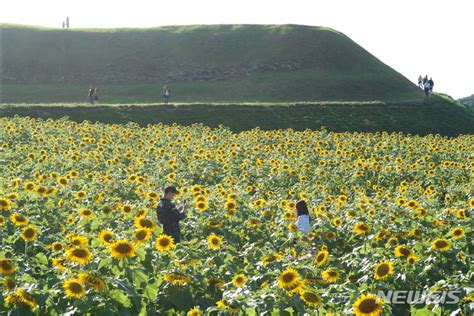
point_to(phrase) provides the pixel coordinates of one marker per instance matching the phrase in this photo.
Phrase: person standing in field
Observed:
(169, 215)
(302, 220)
(67, 22)
(166, 94)
(90, 95)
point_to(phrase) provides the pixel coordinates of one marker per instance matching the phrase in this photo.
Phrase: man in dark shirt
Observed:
(169, 216)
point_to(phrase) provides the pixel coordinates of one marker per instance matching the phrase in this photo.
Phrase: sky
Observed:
(434, 38)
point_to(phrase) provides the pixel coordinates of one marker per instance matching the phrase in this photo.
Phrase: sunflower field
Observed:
(79, 231)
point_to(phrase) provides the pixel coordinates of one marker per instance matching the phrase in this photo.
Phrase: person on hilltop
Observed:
(427, 88)
(166, 94)
(420, 82)
(169, 216)
(431, 82)
(67, 22)
(96, 94)
(90, 95)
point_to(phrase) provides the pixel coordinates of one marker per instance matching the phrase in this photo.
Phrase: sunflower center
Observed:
(311, 297)
(441, 244)
(332, 273)
(146, 223)
(383, 269)
(288, 277)
(6, 265)
(29, 233)
(141, 235)
(320, 257)
(123, 248)
(164, 242)
(80, 253)
(215, 241)
(75, 287)
(368, 305)
(107, 237)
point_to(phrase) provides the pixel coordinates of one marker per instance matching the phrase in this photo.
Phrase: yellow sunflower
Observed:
(18, 219)
(79, 255)
(58, 263)
(126, 209)
(177, 279)
(403, 251)
(330, 276)
(214, 242)
(2, 220)
(311, 299)
(202, 206)
(288, 278)
(9, 284)
(29, 233)
(56, 246)
(321, 258)
(239, 280)
(6, 267)
(122, 249)
(5, 204)
(412, 259)
(144, 223)
(74, 288)
(106, 237)
(368, 305)
(141, 235)
(21, 298)
(441, 244)
(80, 195)
(85, 213)
(97, 283)
(457, 233)
(164, 243)
(361, 228)
(383, 270)
(194, 312)
(230, 205)
(29, 186)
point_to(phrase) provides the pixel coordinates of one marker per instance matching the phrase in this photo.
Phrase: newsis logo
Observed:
(421, 297)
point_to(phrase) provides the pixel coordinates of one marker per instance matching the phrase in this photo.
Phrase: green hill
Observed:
(218, 63)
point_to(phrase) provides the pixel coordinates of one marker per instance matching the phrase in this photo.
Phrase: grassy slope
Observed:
(436, 115)
(131, 65)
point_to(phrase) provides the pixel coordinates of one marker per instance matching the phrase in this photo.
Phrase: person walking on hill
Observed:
(170, 216)
(67, 22)
(96, 95)
(427, 88)
(420, 82)
(425, 79)
(90, 95)
(166, 94)
(431, 82)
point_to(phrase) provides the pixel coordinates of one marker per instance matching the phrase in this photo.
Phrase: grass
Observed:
(433, 116)
(202, 63)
